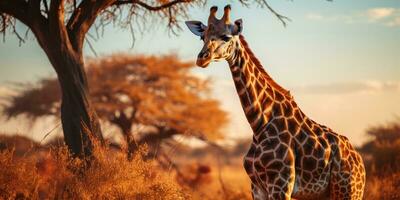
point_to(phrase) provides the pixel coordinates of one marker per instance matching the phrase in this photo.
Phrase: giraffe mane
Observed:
(258, 64)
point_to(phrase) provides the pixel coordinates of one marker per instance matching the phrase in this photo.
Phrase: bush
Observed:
(55, 175)
(381, 155)
(383, 188)
(17, 177)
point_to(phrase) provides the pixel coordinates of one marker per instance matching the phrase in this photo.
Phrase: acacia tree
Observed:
(158, 94)
(382, 152)
(60, 28)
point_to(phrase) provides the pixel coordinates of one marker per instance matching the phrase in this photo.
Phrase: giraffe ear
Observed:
(238, 27)
(196, 27)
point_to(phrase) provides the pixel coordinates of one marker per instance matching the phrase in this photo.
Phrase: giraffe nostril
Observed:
(205, 54)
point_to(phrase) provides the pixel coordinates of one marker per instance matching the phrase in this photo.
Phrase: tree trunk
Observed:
(125, 124)
(79, 119)
(63, 44)
(126, 128)
(132, 145)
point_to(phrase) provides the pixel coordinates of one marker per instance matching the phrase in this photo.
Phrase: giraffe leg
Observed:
(257, 193)
(280, 186)
(280, 178)
(348, 174)
(347, 184)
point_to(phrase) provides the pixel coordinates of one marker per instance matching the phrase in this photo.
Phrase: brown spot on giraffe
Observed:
(291, 155)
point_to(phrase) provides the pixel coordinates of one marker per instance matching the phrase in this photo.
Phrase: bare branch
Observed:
(83, 17)
(281, 18)
(161, 7)
(56, 21)
(74, 2)
(91, 47)
(46, 7)
(34, 7)
(17, 9)
(26, 12)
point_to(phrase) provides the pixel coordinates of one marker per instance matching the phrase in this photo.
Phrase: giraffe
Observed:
(291, 156)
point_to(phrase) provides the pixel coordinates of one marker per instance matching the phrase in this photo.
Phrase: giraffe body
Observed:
(291, 156)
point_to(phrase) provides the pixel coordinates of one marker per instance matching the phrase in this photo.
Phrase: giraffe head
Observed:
(218, 36)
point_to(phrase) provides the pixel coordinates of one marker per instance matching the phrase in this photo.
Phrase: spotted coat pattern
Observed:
(291, 155)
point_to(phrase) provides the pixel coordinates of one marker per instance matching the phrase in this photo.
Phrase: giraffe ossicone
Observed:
(291, 156)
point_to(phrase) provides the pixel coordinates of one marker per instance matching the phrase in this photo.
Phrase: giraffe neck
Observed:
(259, 95)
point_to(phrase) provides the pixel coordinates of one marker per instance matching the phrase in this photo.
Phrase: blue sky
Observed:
(340, 59)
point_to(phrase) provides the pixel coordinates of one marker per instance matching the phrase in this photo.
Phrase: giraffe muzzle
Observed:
(203, 59)
(204, 54)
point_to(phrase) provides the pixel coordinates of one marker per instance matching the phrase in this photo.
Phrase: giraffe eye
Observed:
(226, 38)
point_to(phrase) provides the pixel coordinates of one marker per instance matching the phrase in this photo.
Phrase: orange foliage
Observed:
(158, 94)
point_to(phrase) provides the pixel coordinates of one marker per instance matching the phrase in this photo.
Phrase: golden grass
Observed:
(17, 179)
(53, 174)
(57, 176)
(228, 183)
(383, 187)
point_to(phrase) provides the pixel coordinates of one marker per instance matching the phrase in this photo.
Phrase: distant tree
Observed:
(382, 152)
(158, 94)
(241, 147)
(61, 26)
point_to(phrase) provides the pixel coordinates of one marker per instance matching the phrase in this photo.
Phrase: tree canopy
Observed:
(160, 94)
(382, 152)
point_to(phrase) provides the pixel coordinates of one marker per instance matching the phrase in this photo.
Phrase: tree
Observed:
(60, 27)
(381, 154)
(158, 94)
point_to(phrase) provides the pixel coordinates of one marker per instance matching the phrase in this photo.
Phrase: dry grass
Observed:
(56, 176)
(17, 179)
(53, 174)
(383, 188)
(43, 173)
(228, 183)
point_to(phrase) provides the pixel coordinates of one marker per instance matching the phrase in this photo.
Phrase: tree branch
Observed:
(162, 134)
(46, 7)
(26, 12)
(17, 9)
(39, 22)
(84, 16)
(56, 20)
(149, 7)
(34, 7)
(281, 18)
(161, 7)
(82, 19)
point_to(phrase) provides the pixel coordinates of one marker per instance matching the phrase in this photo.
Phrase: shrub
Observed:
(383, 188)
(55, 175)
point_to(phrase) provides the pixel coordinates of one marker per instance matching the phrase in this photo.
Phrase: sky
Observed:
(340, 59)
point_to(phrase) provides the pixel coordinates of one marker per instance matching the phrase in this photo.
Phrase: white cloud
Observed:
(380, 13)
(351, 87)
(314, 16)
(389, 17)
(333, 18)
(394, 22)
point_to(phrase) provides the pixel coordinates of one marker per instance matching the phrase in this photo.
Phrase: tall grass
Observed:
(56, 175)
(383, 188)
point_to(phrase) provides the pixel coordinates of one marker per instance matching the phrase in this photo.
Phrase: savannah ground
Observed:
(33, 171)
